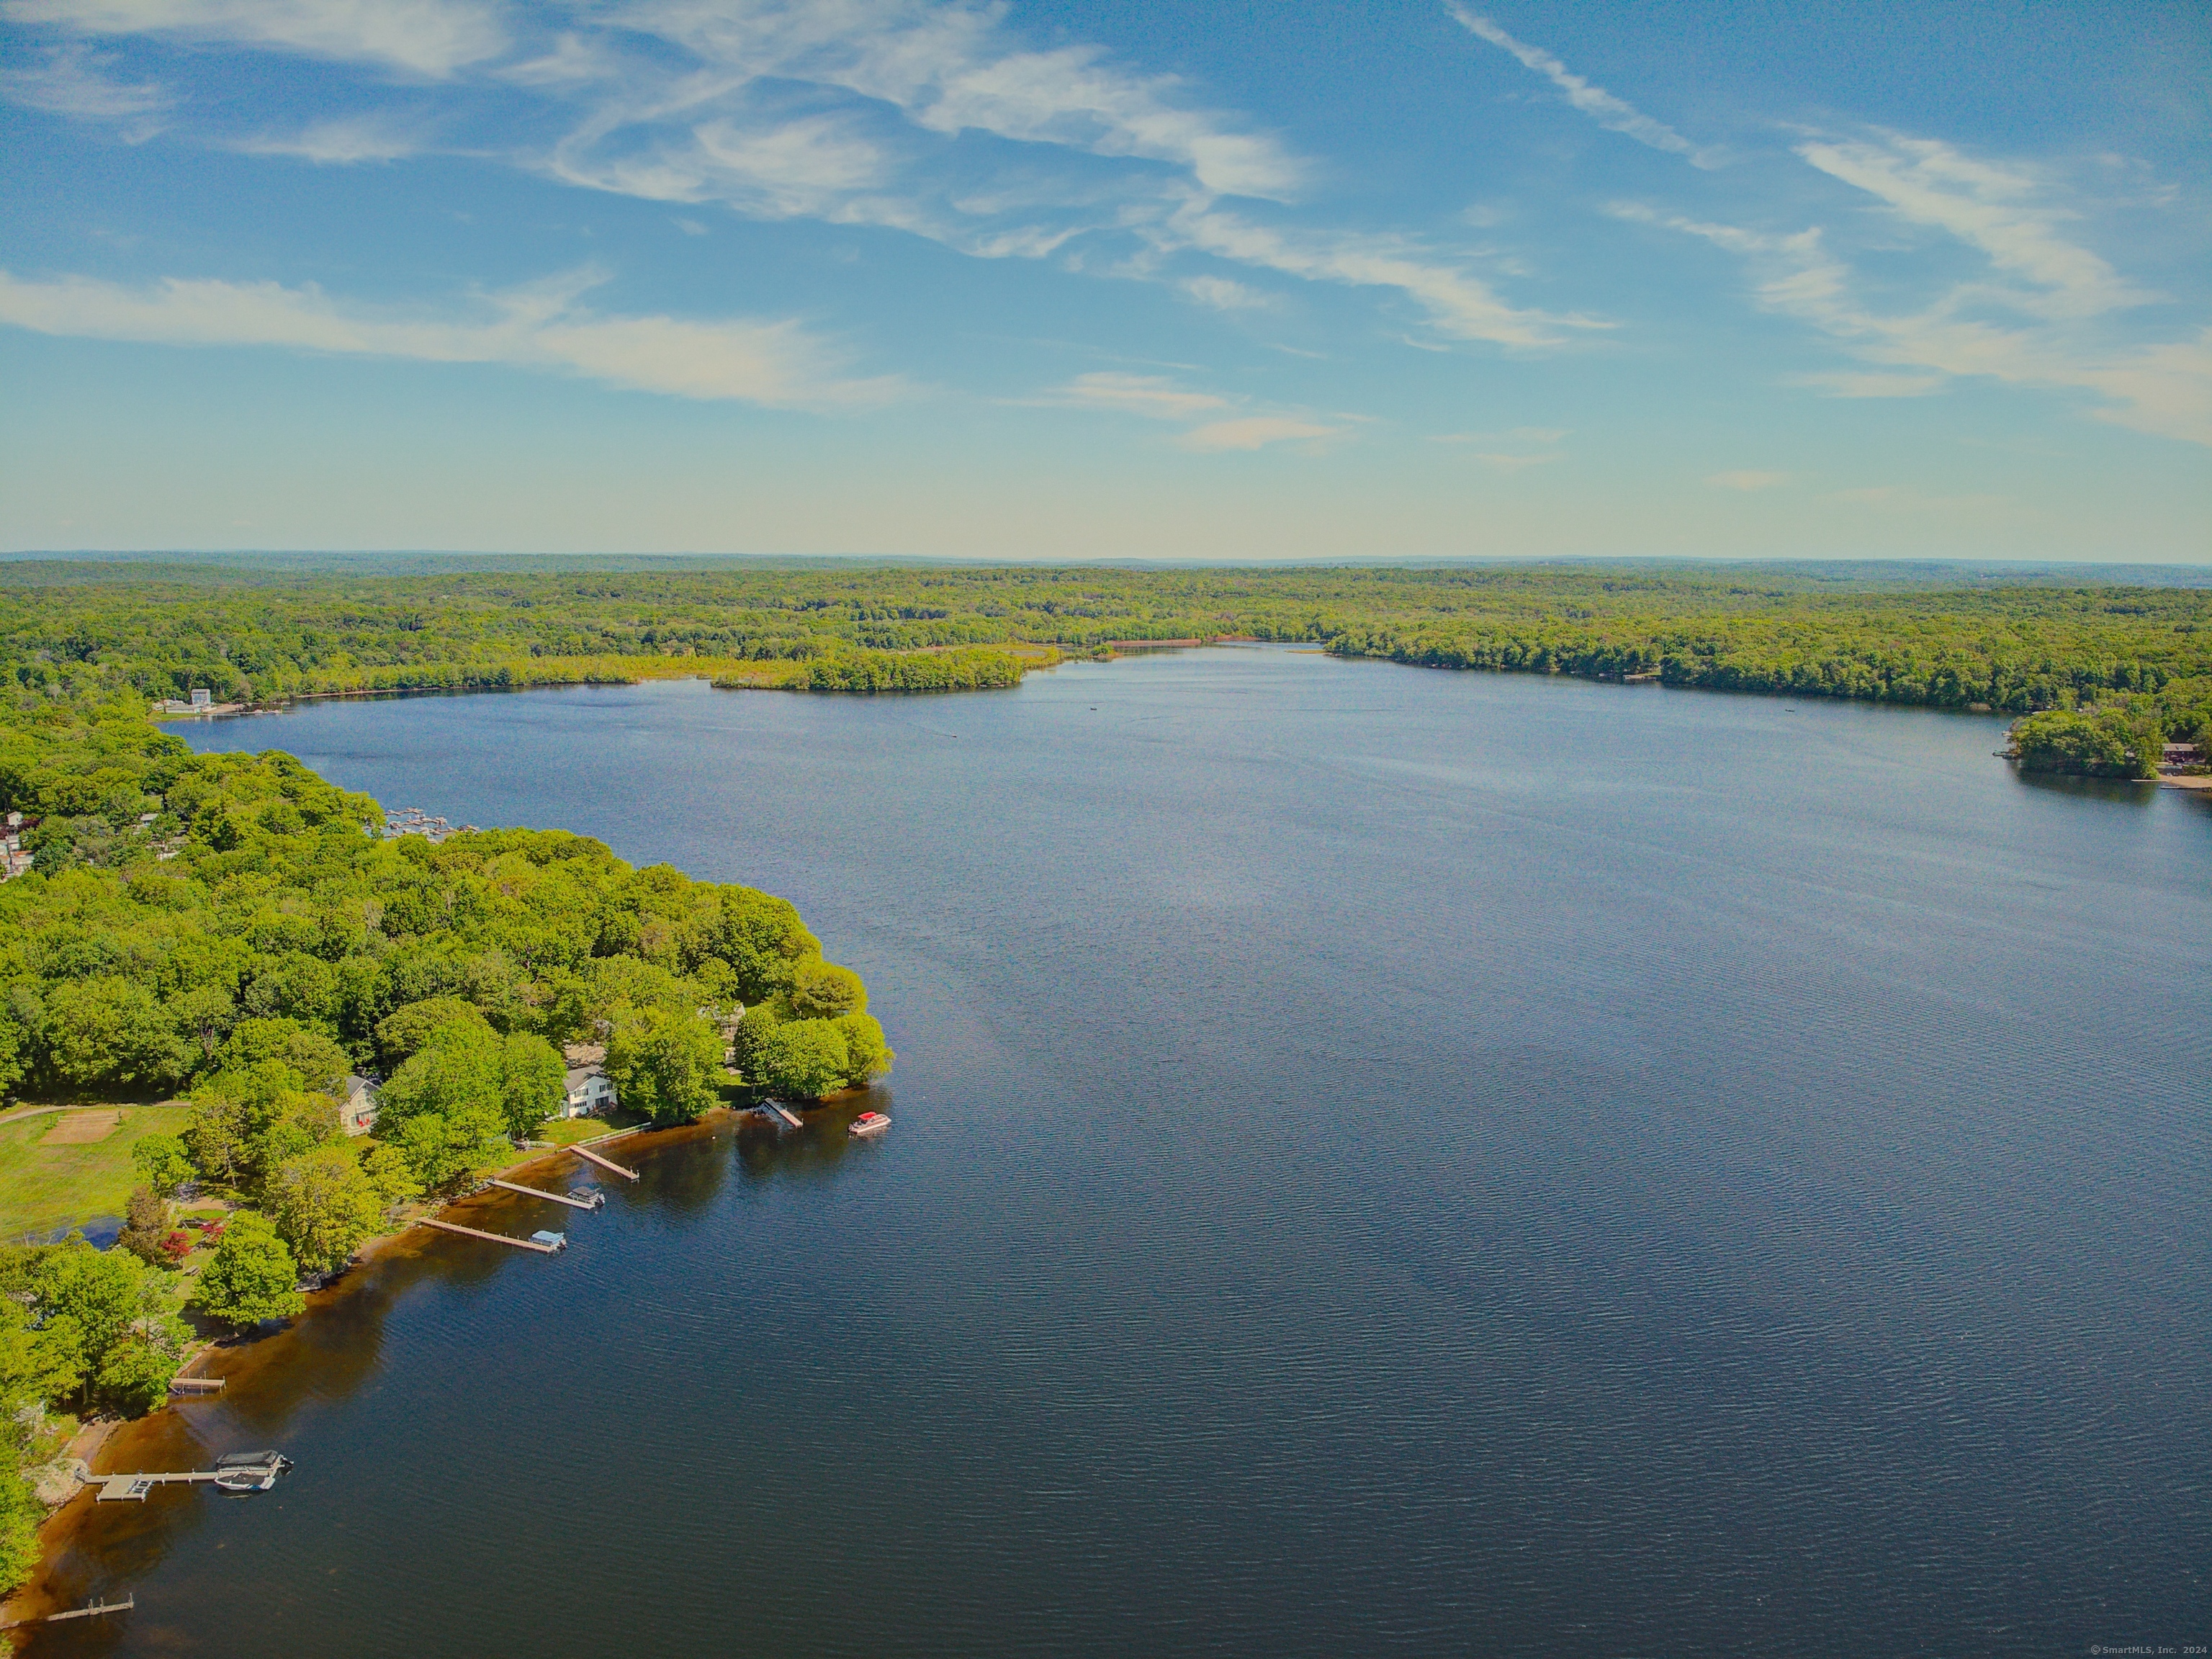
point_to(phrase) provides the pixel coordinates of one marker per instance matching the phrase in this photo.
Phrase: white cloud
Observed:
(1150, 395)
(542, 327)
(1252, 432)
(1845, 384)
(71, 81)
(2036, 321)
(1993, 209)
(1747, 482)
(343, 141)
(1224, 295)
(433, 38)
(935, 118)
(1458, 304)
(1601, 106)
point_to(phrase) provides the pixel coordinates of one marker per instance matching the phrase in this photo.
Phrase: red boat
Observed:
(868, 1123)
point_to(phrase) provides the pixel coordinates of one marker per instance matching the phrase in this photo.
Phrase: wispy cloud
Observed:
(1614, 114)
(433, 38)
(73, 82)
(1747, 482)
(1222, 294)
(1156, 398)
(1999, 210)
(1252, 432)
(940, 120)
(343, 141)
(1508, 461)
(1457, 303)
(1152, 396)
(1847, 384)
(2036, 318)
(542, 327)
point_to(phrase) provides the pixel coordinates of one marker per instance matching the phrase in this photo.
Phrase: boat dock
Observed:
(496, 1238)
(775, 1108)
(596, 1201)
(196, 1385)
(582, 1151)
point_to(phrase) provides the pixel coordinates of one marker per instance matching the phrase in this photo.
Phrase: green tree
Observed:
(532, 1083)
(20, 1518)
(146, 1223)
(867, 1053)
(111, 1031)
(251, 1277)
(823, 990)
(667, 1066)
(390, 1174)
(134, 1377)
(441, 1146)
(754, 1026)
(401, 1033)
(88, 1299)
(317, 1064)
(324, 1204)
(802, 1059)
(161, 1163)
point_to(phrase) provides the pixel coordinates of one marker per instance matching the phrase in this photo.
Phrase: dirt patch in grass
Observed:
(82, 1128)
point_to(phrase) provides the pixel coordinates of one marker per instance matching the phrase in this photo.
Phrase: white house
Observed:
(590, 1092)
(361, 1103)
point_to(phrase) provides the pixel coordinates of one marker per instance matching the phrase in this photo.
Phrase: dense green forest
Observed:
(1909, 636)
(235, 927)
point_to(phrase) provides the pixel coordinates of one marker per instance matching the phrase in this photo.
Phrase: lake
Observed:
(1385, 1161)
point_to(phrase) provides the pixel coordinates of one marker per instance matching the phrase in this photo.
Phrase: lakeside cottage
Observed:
(590, 1092)
(361, 1103)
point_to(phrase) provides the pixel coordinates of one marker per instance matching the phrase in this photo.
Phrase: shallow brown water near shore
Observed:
(1385, 1161)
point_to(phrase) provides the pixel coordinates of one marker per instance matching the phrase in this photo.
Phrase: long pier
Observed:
(591, 1203)
(496, 1238)
(582, 1151)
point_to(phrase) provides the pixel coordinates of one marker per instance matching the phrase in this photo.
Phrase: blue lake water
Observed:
(1386, 1161)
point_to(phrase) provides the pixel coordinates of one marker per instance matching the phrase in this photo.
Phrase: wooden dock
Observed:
(581, 1151)
(134, 1487)
(196, 1385)
(496, 1238)
(778, 1110)
(591, 1203)
(92, 1611)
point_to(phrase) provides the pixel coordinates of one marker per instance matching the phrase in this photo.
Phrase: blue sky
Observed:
(1127, 279)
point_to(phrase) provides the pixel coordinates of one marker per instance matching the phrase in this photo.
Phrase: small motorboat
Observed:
(868, 1123)
(551, 1241)
(254, 1471)
(590, 1195)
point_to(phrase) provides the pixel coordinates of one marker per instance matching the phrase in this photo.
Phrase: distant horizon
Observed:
(2103, 569)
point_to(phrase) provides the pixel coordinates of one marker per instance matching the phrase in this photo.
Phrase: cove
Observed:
(1385, 1161)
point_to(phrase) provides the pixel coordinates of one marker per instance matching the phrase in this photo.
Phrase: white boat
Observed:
(255, 1471)
(868, 1123)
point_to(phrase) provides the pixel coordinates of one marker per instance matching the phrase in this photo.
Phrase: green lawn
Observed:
(568, 1131)
(43, 1188)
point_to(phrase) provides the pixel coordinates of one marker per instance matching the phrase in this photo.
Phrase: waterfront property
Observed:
(361, 1104)
(590, 1092)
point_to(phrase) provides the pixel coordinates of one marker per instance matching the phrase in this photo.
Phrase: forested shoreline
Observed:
(257, 635)
(234, 928)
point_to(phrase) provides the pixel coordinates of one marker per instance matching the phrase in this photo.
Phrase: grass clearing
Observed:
(44, 1186)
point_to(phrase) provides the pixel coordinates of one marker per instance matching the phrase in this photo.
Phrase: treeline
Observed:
(867, 671)
(1889, 633)
(235, 928)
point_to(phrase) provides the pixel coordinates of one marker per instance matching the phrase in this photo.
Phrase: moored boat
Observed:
(868, 1123)
(254, 1471)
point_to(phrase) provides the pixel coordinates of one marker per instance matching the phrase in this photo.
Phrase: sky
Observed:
(1342, 278)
